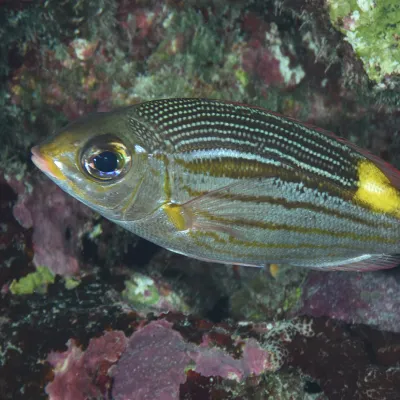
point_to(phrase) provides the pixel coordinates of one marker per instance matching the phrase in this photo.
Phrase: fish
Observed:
(231, 183)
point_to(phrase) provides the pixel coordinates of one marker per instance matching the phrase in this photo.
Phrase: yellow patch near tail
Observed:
(375, 190)
(274, 270)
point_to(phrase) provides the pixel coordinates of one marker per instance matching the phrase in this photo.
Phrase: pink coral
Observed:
(153, 365)
(80, 375)
(268, 56)
(58, 222)
(364, 298)
(157, 358)
(263, 64)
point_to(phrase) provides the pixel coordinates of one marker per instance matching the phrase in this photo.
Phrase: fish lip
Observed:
(46, 164)
(37, 158)
(35, 153)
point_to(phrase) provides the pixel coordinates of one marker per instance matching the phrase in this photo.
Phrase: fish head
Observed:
(98, 160)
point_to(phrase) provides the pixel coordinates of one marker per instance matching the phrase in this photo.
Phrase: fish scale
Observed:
(231, 183)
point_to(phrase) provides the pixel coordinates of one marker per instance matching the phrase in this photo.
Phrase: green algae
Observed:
(341, 8)
(146, 294)
(71, 282)
(197, 59)
(373, 30)
(189, 38)
(287, 385)
(264, 297)
(35, 282)
(242, 76)
(292, 298)
(141, 289)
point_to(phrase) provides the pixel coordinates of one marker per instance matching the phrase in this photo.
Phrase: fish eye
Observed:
(106, 159)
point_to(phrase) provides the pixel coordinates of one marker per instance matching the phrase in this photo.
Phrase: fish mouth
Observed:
(46, 164)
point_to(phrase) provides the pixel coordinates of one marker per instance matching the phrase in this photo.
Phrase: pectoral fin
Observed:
(200, 212)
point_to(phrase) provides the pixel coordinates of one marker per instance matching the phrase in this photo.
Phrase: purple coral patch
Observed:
(80, 375)
(215, 362)
(157, 350)
(58, 221)
(153, 366)
(366, 298)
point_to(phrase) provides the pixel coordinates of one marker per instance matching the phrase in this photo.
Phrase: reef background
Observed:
(89, 311)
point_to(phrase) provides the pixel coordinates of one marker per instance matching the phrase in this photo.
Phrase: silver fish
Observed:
(231, 183)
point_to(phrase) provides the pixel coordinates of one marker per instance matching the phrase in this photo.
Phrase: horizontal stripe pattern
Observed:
(274, 227)
(258, 187)
(190, 125)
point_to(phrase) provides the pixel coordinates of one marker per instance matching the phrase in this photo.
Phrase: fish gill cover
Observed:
(82, 299)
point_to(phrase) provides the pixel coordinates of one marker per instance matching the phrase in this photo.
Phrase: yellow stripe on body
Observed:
(242, 168)
(291, 228)
(182, 221)
(254, 244)
(183, 217)
(290, 205)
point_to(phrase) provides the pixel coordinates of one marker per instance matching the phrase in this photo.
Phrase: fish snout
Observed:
(46, 164)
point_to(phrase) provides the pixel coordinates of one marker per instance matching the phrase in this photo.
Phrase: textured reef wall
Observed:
(90, 311)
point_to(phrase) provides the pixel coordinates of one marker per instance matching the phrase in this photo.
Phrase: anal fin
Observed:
(366, 262)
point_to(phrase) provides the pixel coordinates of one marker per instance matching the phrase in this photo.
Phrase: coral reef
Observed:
(37, 325)
(79, 375)
(249, 302)
(359, 373)
(90, 311)
(372, 29)
(152, 295)
(371, 299)
(58, 223)
(160, 348)
(34, 282)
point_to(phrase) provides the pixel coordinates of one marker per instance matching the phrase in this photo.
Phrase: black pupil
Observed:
(107, 161)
